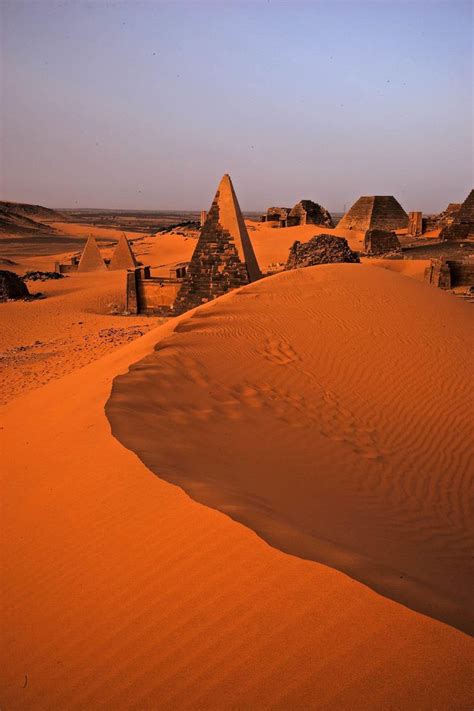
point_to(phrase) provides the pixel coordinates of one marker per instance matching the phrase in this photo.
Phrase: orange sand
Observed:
(77, 230)
(121, 592)
(326, 412)
(272, 244)
(73, 326)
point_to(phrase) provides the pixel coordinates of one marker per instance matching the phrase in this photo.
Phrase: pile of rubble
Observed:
(322, 249)
(42, 276)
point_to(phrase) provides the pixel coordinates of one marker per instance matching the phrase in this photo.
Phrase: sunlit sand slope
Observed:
(330, 410)
(120, 592)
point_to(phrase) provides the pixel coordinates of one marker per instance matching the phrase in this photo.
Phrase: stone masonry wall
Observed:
(381, 242)
(215, 267)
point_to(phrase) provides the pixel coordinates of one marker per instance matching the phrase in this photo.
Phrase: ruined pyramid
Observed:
(462, 226)
(91, 259)
(122, 257)
(381, 212)
(224, 258)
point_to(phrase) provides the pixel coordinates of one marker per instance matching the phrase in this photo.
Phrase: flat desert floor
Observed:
(261, 504)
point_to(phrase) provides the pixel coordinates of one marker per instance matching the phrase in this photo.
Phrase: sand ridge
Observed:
(319, 409)
(120, 592)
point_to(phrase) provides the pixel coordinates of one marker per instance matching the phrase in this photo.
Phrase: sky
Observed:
(145, 105)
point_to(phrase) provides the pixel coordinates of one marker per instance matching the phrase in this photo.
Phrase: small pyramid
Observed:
(381, 212)
(91, 259)
(223, 258)
(122, 257)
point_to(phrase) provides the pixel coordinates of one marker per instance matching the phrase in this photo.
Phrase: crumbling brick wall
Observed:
(215, 267)
(381, 242)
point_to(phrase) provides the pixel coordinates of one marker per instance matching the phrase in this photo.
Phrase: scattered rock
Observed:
(42, 276)
(322, 249)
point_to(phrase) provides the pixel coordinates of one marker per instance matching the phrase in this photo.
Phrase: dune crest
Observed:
(328, 409)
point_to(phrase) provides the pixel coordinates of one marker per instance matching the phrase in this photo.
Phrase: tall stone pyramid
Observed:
(462, 226)
(91, 259)
(381, 212)
(224, 258)
(122, 257)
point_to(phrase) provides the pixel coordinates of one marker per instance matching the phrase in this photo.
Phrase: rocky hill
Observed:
(20, 218)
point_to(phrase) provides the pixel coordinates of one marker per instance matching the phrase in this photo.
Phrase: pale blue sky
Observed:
(146, 104)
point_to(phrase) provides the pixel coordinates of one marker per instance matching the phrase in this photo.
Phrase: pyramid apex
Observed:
(226, 179)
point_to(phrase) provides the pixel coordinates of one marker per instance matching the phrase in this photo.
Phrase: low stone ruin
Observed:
(381, 242)
(275, 214)
(307, 212)
(12, 287)
(322, 249)
(450, 273)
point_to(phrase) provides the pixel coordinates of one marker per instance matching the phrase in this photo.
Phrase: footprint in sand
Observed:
(280, 352)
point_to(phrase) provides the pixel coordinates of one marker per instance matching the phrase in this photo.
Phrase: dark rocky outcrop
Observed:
(381, 242)
(12, 286)
(322, 249)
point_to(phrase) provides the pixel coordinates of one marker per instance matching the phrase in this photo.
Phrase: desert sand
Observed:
(318, 409)
(123, 592)
(79, 320)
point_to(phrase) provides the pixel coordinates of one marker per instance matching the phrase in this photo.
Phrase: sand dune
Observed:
(121, 592)
(272, 244)
(328, 409)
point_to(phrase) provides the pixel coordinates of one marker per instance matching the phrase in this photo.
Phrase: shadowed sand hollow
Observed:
(329, 410)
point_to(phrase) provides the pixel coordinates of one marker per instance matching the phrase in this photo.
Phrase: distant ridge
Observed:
(22, 218)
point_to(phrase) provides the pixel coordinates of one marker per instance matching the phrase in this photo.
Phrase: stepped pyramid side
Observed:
(388, 214)
(462, 226)
(381, 212)
(224, 258)
(358, 216)
(91, 259)
(123, 257)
